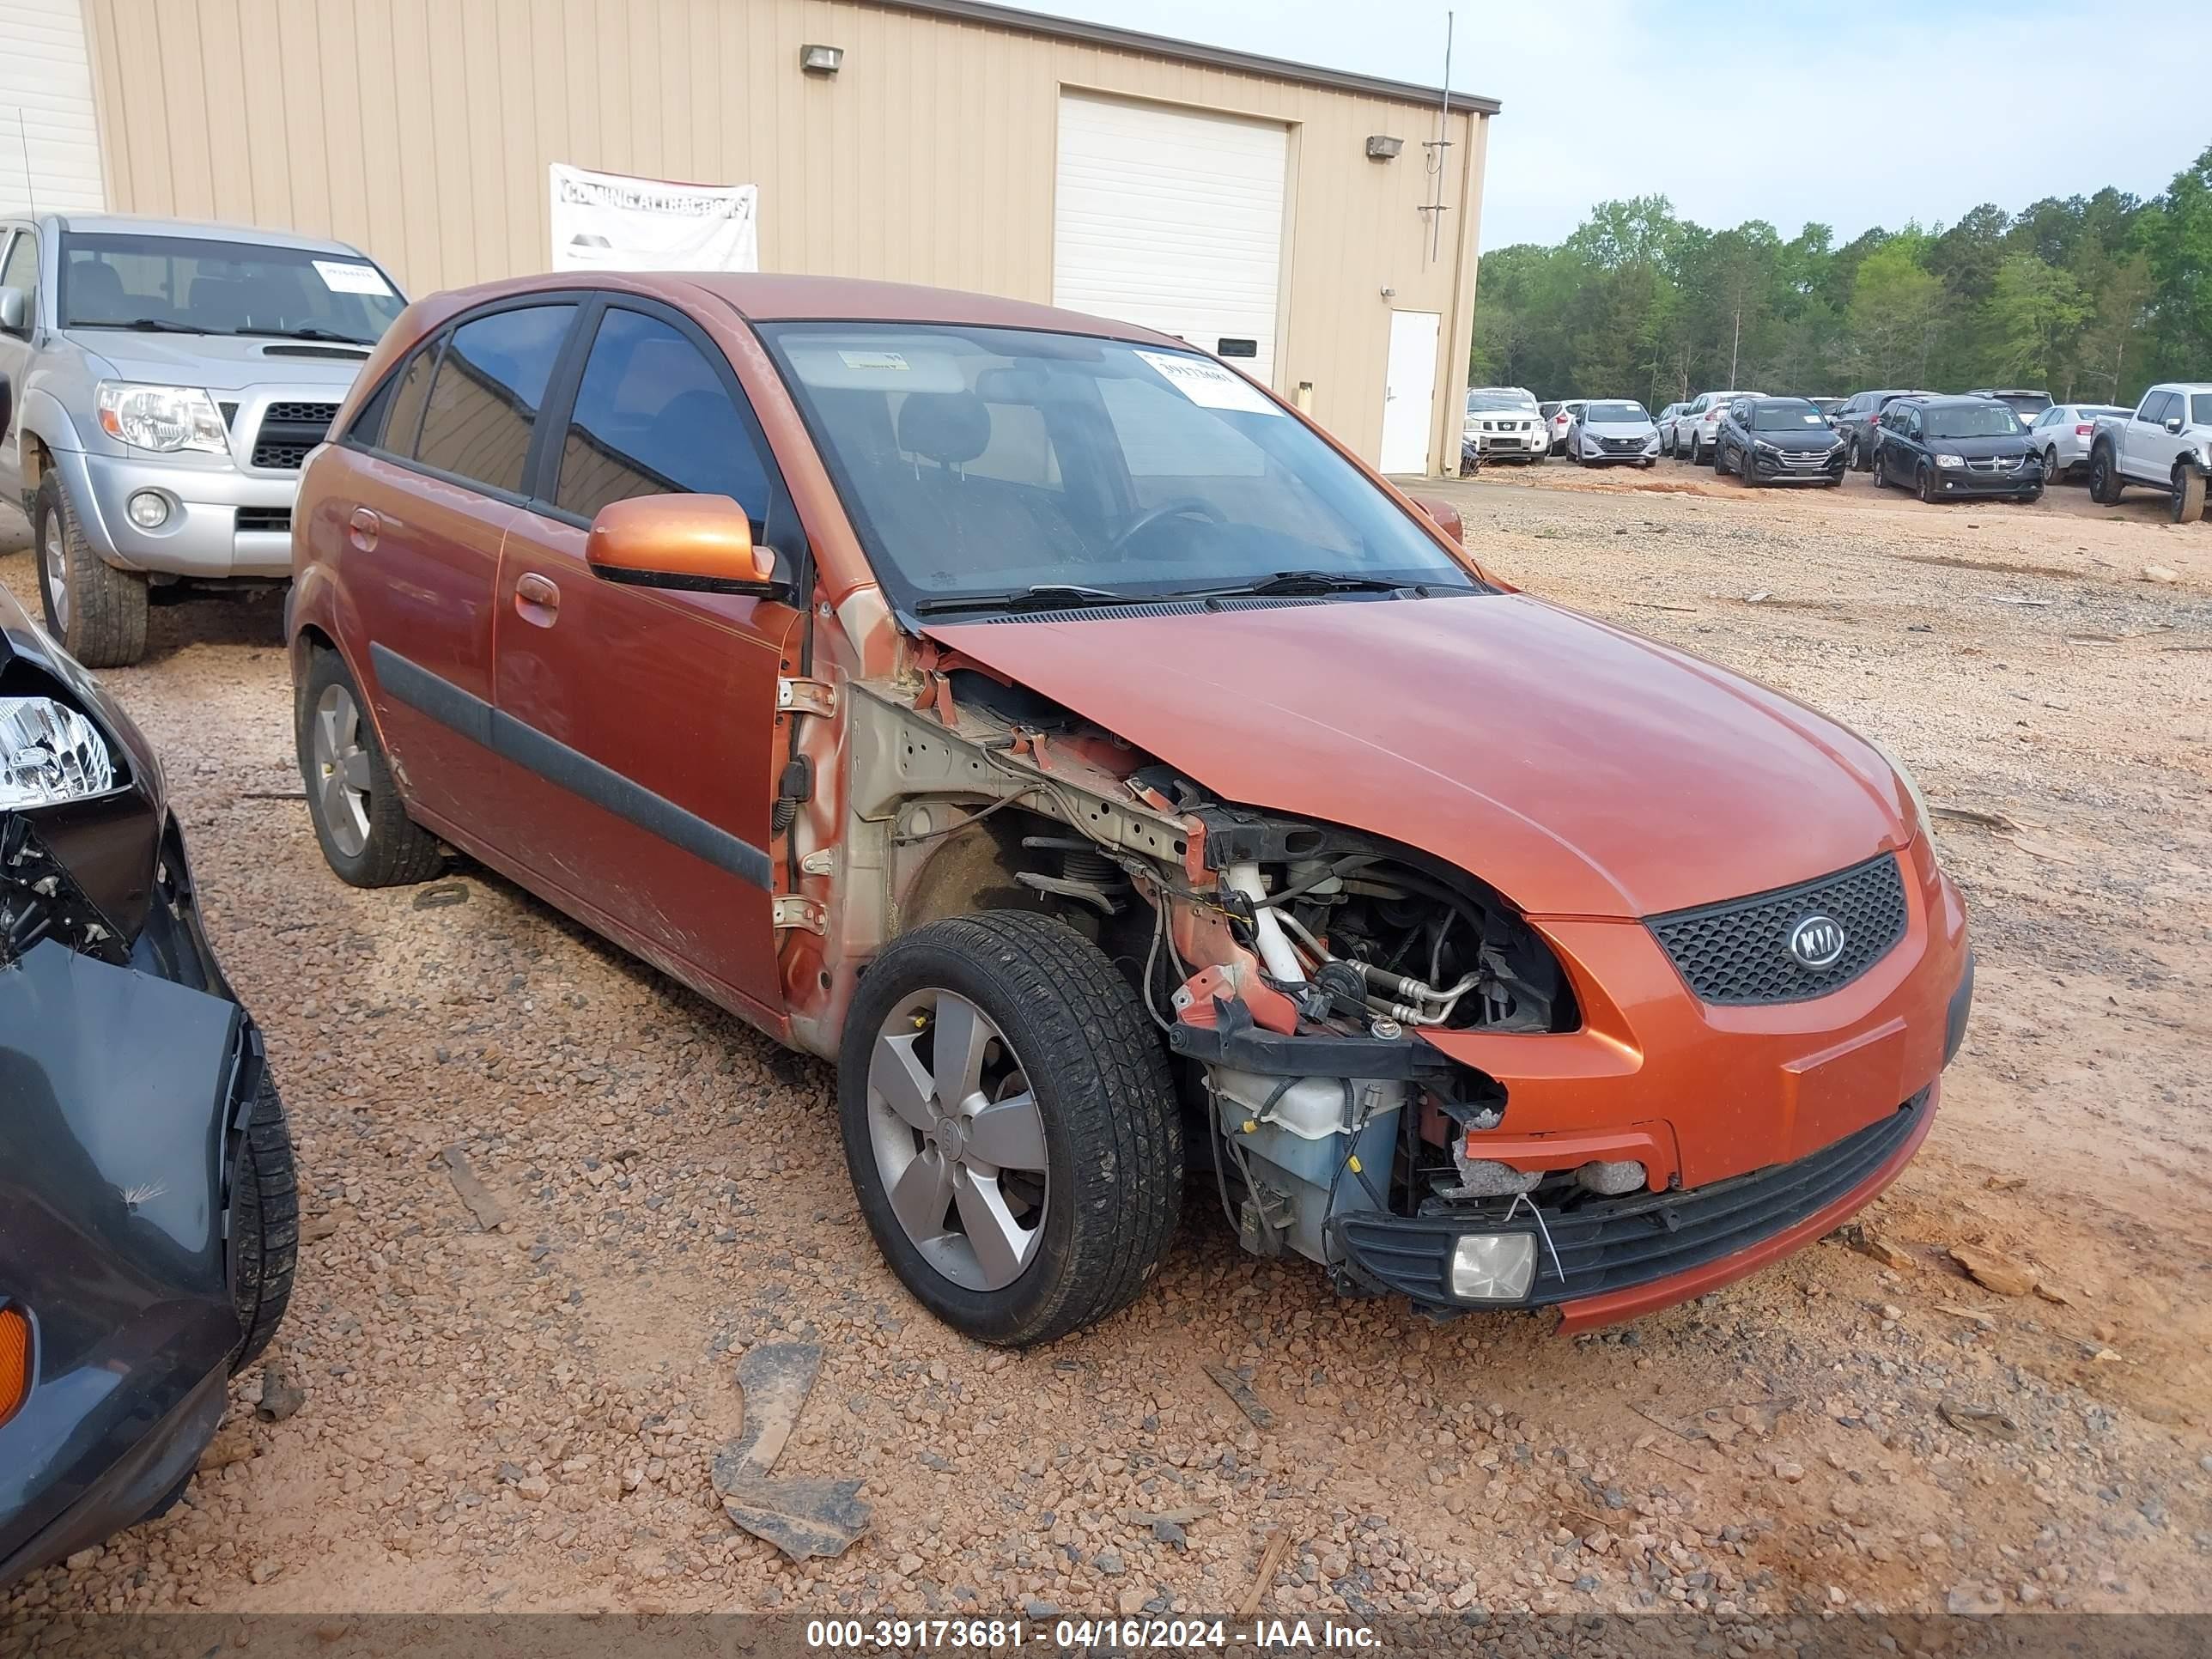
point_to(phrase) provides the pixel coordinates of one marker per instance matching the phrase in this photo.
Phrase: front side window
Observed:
(193, 285)
(653, 417)
(21, 267)
(483, 401)
(2152, 411)
(978, 461)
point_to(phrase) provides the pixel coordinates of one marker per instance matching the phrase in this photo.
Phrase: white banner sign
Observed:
(606, 222)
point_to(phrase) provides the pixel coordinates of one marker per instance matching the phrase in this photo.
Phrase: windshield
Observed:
(1614, 414)
(1793, 416)
(1490, 402)
(2025, 404)
(1983, 418)
(187, 284)
(981, 462)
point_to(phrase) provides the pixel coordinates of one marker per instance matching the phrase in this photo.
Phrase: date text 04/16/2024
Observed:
(1084, 1635)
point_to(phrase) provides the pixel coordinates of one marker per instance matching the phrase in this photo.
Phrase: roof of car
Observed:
(204, 230)
(1948, 399)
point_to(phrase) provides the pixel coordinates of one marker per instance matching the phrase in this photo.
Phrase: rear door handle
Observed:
(365, 524)
(536, 599)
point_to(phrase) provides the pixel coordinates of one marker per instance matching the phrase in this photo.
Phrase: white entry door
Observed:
(1409, 392)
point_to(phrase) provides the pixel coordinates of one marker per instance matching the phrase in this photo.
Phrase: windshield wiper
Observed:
(1296, 581)
(150, 325)
(309, 333)
(1040, 596)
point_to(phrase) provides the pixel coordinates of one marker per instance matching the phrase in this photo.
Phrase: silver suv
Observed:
(161, 384)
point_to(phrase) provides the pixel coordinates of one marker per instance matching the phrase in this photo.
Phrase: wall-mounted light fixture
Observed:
(1380, 146)
(821, 60)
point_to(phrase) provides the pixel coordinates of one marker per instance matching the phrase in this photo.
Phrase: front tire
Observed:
(1010, 1125)
(97, 612)
(264, 1224)
(1926, 475)
(1880, 472)
(2188, 495)
(367, 837)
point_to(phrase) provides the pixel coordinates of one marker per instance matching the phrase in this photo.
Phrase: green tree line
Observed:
(2092, 298)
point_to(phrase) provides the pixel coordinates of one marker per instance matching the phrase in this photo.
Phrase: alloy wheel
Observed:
(55, 554)
(958, 1139)
(342, 773)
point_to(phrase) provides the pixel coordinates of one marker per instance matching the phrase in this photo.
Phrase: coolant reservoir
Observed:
(1298, 1137)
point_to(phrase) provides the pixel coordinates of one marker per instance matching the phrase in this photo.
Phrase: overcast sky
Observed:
(1852, 115)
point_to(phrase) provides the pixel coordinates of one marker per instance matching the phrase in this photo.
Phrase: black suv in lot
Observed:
(1947, 447)
(1778, 440)
(1857, 419)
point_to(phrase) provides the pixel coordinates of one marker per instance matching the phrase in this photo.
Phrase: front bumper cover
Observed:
(127, 1081)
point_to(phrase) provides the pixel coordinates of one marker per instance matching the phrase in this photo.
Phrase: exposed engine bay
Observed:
(1291, 967)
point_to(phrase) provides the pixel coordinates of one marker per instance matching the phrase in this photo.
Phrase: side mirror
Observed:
(14, 310)
(2173, 423)
(1442, 515)
(699, 542)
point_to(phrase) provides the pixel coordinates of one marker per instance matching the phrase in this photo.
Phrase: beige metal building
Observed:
(1306, 221)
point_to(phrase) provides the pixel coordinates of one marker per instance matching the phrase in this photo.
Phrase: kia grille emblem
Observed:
(1817, 942)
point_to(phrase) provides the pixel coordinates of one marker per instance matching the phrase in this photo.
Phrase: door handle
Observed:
(365, 524)
(536, 599)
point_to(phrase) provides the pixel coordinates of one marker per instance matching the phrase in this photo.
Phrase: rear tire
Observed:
(97, 612)
(2106, 483)
(2052, 473)
(1057, 1012)
(367, 837)
(1697, 450)
(264, 1224)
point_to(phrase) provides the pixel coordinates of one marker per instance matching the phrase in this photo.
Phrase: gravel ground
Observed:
(523, 1418)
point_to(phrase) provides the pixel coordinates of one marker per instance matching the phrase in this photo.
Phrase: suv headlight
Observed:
(49, 753)
(1903, 777)
(1764, 447)
(161, 418)
(1950, 460)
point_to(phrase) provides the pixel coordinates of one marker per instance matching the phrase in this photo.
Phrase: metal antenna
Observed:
(1439, 147)
(23, 138)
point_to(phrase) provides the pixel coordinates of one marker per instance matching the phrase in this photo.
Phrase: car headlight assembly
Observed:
(1764, 447)
(49, 754)
(1903, 777)
(161, 418)
(1950, 460)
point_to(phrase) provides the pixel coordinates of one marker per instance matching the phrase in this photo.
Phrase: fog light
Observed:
(149, 509)
(1493, 1266)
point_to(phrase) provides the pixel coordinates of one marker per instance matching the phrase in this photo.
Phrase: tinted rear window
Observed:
(484, 400)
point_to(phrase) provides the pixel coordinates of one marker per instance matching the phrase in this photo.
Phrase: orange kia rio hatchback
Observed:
(1124, 786)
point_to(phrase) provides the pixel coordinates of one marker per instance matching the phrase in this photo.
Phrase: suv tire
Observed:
(96, 612)
(366, 836)
(1925, 476)
(2106, 483)
(1047, 1009)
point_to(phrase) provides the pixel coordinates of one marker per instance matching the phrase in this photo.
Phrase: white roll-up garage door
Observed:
(49, 139)
(1172, 219)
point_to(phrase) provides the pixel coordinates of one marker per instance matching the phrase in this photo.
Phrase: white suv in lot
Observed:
(2165, 443)
(1695, 426)
(1503, 424)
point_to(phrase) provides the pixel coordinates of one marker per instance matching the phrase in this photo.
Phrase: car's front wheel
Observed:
(1880, 472)
(362, 825)
(264, 1224)
(2188, 495)
(1927, 476)
(1010, 1125)
(96, 612)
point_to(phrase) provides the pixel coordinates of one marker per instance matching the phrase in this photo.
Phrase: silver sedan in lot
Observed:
(1612, 432)
(2062, 435)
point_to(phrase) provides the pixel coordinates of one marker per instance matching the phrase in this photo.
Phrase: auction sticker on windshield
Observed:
(1209, 384)
(343, 276)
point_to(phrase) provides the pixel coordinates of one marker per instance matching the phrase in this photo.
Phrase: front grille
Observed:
(1621, 446)
(1806, 458)
(1738, 951)
(1605, 1245)
(289, 431)
(275, 519)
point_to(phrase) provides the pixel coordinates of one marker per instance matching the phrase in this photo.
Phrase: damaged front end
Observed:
(1295, 970)
(145, 1177)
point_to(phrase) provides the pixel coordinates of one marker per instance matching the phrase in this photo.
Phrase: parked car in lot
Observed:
(1504, 423)
(1857, 419)
(1563, 417)
(167, 378)
(1695, 426)
(2164, 443)
(2063, 433)
(1664, 420)
(1778, 440)
(834, 646)
(147, 1221)
(1609, 432)
(1951, 447)
(1827, 406)
(2029, 405)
